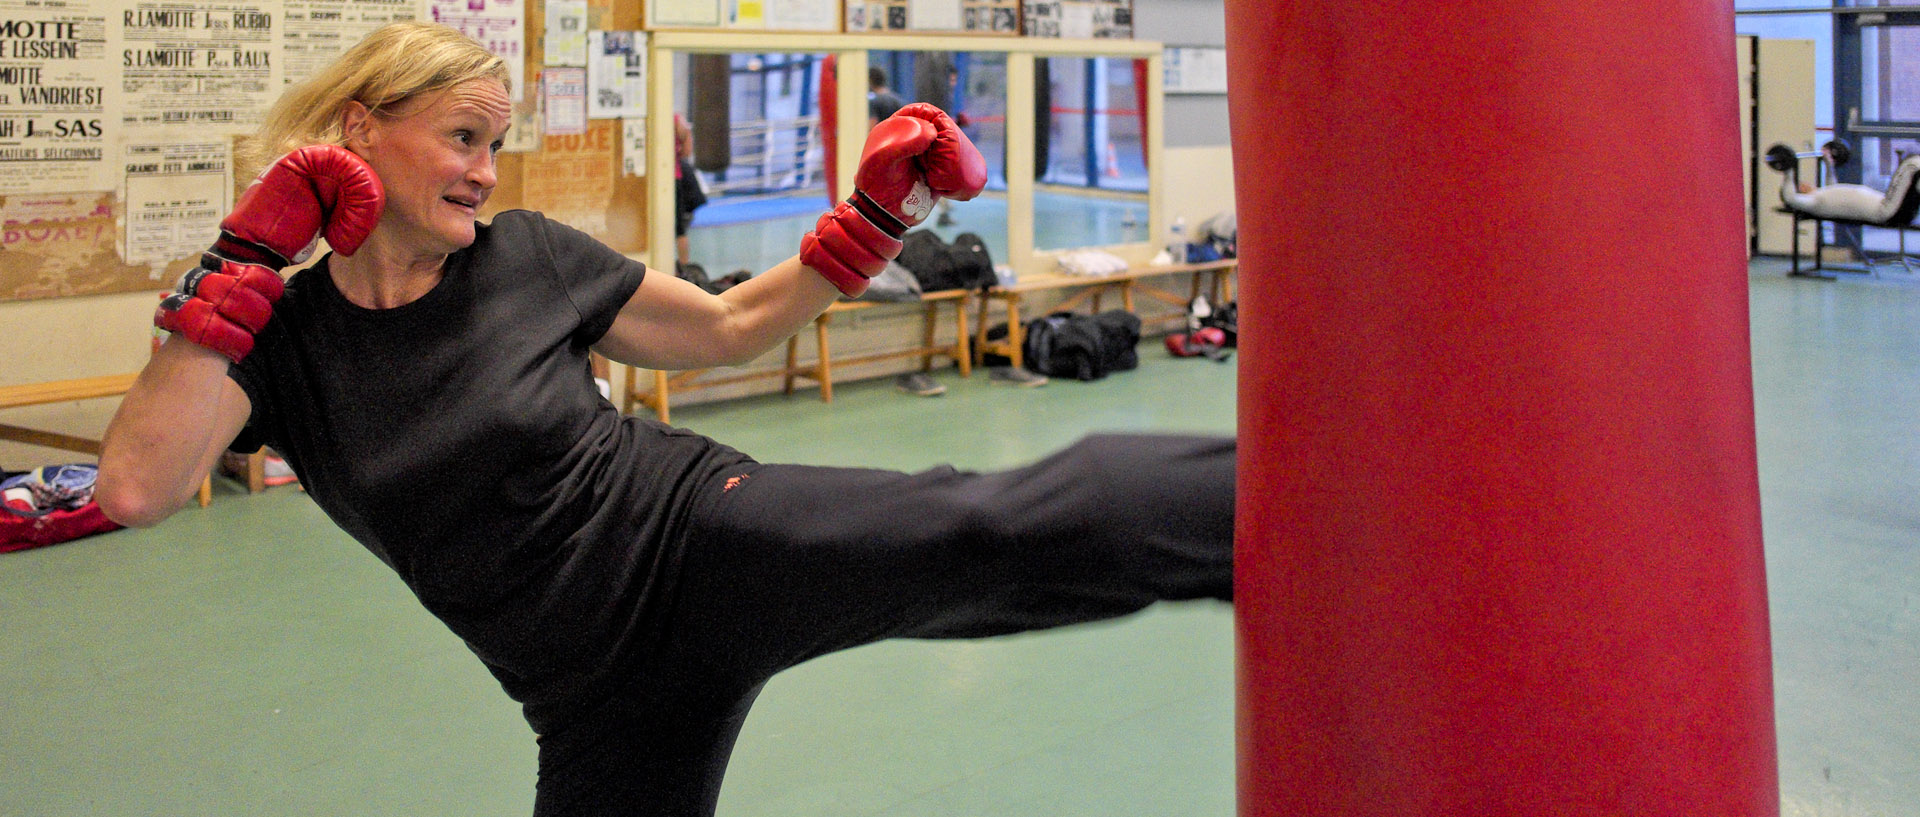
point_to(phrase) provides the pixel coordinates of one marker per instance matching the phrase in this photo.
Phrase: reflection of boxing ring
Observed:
(1499, 528)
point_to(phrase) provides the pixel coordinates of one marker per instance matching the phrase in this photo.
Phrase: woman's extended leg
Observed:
(800, 561)
(793, 562)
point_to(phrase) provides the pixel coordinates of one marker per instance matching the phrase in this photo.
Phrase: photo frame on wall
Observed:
(1000, 17)
(1079, 19)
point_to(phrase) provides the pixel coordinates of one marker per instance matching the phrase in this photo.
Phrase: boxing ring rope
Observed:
(1499, 546)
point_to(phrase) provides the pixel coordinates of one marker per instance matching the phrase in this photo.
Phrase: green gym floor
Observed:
(247, 659)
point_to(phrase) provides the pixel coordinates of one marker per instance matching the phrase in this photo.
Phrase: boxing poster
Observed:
(571, 178)
(56, 88)
(196, 67)
(62, 244)
(174, 195)
(315, 32)
(563, 97)
(499, 25)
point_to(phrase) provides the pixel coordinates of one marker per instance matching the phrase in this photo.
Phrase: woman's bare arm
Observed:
(179, 415)
(671, 324)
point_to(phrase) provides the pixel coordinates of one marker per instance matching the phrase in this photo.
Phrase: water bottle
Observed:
(1177, 240)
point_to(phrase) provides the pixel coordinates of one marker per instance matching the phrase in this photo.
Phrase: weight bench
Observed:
(1853, 205)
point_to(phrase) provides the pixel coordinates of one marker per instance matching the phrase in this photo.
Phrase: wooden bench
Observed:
(89, 388)
(821, 369)
(1216, 277)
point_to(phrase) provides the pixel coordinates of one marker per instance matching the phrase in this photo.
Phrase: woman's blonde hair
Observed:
(392, 64)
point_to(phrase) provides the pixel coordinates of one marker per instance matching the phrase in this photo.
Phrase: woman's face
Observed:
(434, 154)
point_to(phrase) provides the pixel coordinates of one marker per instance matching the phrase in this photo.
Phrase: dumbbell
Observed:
(1783, 158)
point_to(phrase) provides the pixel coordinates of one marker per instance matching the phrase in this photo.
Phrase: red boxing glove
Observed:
(221, 305)
(953, 167)
(909, 159)
(316, 190)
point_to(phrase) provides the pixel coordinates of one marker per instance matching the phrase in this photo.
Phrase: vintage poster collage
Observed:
(118, 117)
(117, 120)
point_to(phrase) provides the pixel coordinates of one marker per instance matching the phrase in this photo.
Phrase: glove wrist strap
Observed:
(877, 215)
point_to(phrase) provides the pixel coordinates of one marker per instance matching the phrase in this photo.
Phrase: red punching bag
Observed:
(829, 123)
(1499, 543)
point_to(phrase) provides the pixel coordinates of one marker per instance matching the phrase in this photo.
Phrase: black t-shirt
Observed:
(461, 438)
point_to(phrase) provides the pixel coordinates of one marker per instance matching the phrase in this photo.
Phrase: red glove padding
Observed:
(909, 160)
(847, 248)
(221, 305)
(316, 190)
(953, 166)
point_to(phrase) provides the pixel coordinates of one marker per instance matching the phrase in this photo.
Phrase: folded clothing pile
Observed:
(1091, 263)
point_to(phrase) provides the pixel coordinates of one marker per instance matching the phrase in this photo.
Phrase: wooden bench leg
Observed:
(825, 370)
(961, 354)
(980, 339)
(1016, 333)
(929, 316)
(256, 472)
(660, 394)
(793, 364)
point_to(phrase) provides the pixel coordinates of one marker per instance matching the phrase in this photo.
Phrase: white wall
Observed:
(1193, 120)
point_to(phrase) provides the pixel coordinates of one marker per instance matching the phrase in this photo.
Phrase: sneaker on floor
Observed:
(277, 472)
(919, 384)
(1015, 376)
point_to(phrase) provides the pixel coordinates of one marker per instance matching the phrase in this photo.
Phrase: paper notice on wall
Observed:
(316, 32)
(616, 74)
(1194, 70)
(523, 132)
(499, 25)
(633, 146)
(1076, 21)
(803, 15)
(934, 15)
(746, 14)
(57, 85)
(563, 95)
(672, 13)
(196, 67)
(175, 194)
(571, 178)
(565, 42)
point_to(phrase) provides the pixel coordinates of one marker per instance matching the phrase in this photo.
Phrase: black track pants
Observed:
(795, 562)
